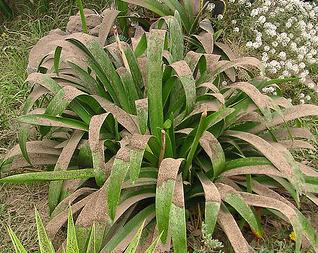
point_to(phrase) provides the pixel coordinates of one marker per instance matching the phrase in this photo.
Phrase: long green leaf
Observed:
(49, 176)
(82, 14)
(47, 120)
(105, 70)
(116, 179)
(153, 5)
(245, 211)
(164, 194)
(155, 40)
(131, 226)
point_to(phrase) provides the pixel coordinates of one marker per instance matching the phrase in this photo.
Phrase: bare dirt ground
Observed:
(17, 203)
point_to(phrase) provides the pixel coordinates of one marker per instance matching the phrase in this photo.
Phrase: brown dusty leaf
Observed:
(258, 98)
(125, 119)
(178, 195)
(206, 40)
(69, 200)
(263, 190)
(297, 144)
(95, 143)
(209, 86)
(267, 149)
(36, 160)
(255, 170)
(60, 219)
(95, 211)
(233, 232)
(227, 50)
(291, 113)
(168, 169)
(35, 147)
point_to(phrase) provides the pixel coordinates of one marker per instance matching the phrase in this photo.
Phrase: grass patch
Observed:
(17, 37)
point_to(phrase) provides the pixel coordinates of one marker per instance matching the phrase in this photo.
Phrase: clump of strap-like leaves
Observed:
(144, 132)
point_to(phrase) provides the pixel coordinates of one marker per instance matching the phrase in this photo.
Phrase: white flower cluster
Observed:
(270, 90)
(283, 32)
(304, 98)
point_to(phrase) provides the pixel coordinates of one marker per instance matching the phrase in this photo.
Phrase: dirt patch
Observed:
(17, 204)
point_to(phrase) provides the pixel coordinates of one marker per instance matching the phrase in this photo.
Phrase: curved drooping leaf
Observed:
(62, 164)
(292, 113)
(232, 231)
(49, 176)
(96, 145)
(212, 202)
(120, 169)
(166, 181)
(46, 120)
(184, 74)
(233, 198)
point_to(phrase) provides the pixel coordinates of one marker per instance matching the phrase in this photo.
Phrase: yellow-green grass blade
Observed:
(154, 244)
(91, 247)
(18, 247)
(132, 247)
(71, 241)
(45, 243)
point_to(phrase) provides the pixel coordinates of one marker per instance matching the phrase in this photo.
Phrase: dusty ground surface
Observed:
(17, 203)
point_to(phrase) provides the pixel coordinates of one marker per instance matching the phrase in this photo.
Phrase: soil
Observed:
(17, 203)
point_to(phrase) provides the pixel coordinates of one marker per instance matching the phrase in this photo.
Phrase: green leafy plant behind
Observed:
(5, 9)
(190, 12)
(147, 133)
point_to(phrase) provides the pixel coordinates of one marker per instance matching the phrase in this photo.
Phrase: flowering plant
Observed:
(284, 33)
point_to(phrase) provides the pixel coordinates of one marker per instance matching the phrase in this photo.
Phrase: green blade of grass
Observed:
(45, 243)
(18, 247)
(82, 14)
(71, 241)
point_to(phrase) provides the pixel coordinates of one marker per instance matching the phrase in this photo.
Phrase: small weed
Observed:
(208, 244)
